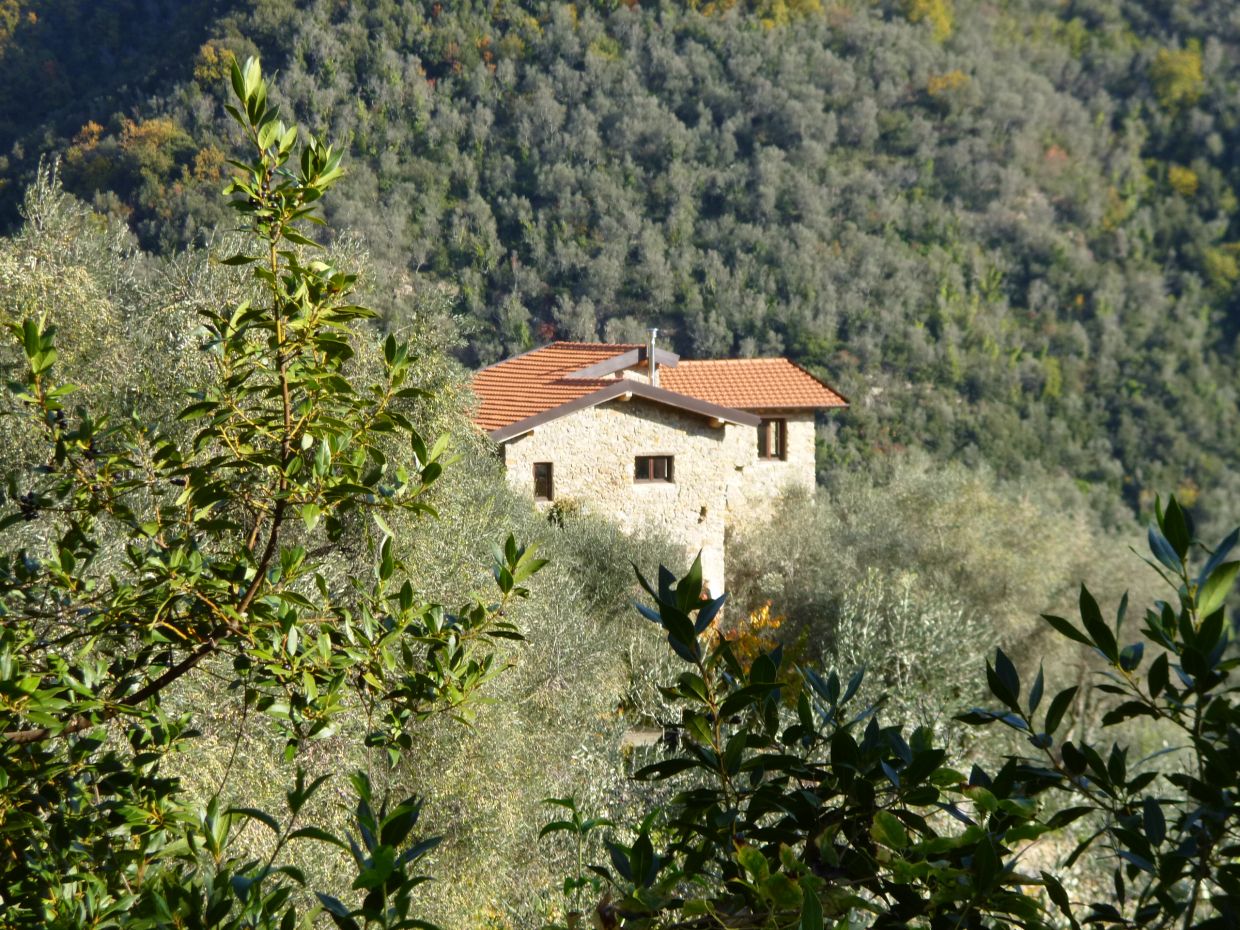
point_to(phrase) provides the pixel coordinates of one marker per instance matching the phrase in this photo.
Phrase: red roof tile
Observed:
(750, 384)
(529, 384)
(538, 381)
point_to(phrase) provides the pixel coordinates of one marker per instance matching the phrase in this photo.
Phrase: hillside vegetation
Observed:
(244, 611)
(1007, 231)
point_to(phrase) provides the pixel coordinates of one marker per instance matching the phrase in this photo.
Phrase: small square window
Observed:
(773, 439)
(544, 485)
(653, 468)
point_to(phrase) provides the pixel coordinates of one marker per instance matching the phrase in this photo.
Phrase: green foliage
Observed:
(917, 570)
(920, 646)
(798, 808)
(552, 725)
(171, 550)
(937, 13)
(580, 829)
(66, 258)
(968, 232)
(965, 235)
(1177, 76)
(1170, 832)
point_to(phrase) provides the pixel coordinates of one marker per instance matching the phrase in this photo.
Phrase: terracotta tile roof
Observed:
(538, 381)
(750, 384)
(529, 384)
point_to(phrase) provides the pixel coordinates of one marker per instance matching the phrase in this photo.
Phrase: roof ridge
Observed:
(544, 379)
(619, 346)
(623, 346)
(756, 358)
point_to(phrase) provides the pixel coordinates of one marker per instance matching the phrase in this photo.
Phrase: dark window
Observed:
(652, 468)
(773, 439)
(544, 487)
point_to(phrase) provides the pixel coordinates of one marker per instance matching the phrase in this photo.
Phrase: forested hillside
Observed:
(1008, 231)
(244, 599)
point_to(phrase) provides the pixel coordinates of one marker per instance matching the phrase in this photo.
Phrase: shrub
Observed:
(799, 808)
(959, 541)
(1169, 830)
(916, 646)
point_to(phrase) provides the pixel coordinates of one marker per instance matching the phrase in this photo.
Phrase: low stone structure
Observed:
(633, 433)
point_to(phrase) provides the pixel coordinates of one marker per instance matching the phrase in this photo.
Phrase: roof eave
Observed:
(775, 408)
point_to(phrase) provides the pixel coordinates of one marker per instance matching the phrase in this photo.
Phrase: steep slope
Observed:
(1008, 231)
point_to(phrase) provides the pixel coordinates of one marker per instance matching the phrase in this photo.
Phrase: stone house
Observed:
(636, 433)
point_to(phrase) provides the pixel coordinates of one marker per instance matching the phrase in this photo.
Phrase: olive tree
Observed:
(140, 554)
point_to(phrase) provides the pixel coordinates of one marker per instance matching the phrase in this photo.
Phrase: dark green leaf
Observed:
(1176, 528)
(1035, 693)
(377, 870)
(811, 911)
(1059, 706)
(1130, 658)
(619, 860)
(1154, 821)
(1067, 629)
(317, 833)
(1218, 556)
(1001, 685)
(1066, 816)
(557, 826)
(1097, 628)
(1163, 550)
(1055, 891)
(253, 813)
(1158, 675)
(1126, 711)
(658, 771)
(1007, 674)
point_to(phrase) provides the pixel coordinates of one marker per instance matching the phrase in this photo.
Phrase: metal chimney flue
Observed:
(652, 336)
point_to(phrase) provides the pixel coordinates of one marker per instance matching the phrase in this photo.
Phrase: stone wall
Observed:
(718, 478)
(592, 452)
(754, 489)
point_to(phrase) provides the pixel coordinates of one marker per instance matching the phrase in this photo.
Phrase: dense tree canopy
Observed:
(1008, 232)
(252, 559)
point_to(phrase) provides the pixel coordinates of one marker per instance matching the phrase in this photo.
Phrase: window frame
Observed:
(670, 469)
(777, 428)
(550, 495)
